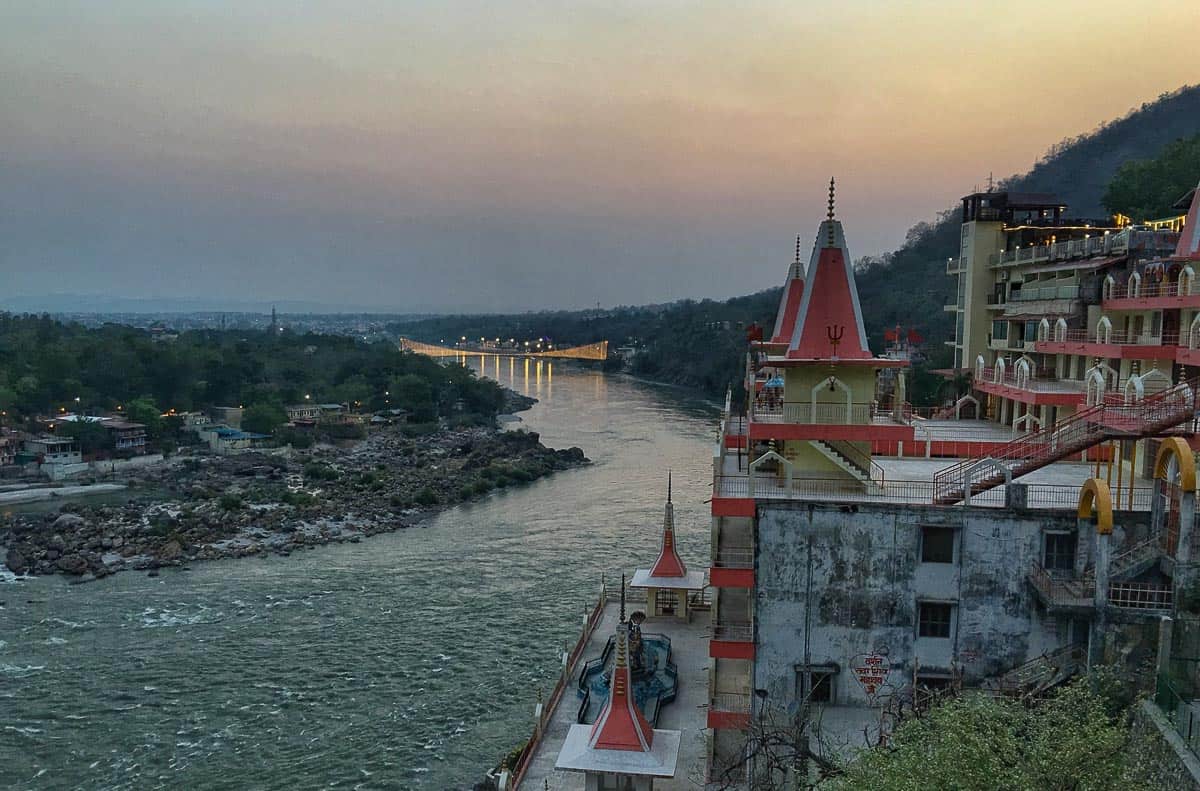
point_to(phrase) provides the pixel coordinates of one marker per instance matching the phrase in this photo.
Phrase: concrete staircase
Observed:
(851, 460)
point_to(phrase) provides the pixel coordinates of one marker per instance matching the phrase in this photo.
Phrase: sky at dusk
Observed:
(437, 156)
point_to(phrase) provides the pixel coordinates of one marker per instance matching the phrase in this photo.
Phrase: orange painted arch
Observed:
(1175, 446)
(1095, 496)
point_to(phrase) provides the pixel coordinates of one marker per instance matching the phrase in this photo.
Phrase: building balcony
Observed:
(1127, 346)
(732, 567)
(1164, 295)
(1032, 390)
(1102, 244)
(1069, 593)
(732, 639)
(729, 710)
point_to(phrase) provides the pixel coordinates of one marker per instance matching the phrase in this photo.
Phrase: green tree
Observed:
(1070, 742)
(263, 418)
(415, 394)
(1145, 189)
(143, 410)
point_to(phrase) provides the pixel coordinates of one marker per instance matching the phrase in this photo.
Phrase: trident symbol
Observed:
(834, 333)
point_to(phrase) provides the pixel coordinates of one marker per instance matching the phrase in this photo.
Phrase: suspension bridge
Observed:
(590, 351)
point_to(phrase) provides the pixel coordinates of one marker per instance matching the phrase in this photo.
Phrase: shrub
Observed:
(427, 496)
(230, 502)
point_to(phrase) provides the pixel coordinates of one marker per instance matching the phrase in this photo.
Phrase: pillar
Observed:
(1100, 621)
(1183, 553)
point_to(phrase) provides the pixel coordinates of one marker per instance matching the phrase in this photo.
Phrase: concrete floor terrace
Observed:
(910, 480)
(687, 713)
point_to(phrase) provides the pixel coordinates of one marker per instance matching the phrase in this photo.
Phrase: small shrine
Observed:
(668, 583)
(621, 751)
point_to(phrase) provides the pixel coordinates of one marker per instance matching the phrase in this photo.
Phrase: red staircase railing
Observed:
(1148, 417)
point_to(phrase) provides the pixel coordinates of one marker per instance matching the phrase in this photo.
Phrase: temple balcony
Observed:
(852, 421)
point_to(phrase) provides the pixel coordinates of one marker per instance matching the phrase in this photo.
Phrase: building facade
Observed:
(863, 554)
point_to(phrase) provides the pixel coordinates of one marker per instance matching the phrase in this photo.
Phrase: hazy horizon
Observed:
(482, 157)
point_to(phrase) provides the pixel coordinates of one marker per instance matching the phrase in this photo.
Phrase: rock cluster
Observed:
(233, 506)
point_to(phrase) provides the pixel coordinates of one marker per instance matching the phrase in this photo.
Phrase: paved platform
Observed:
(688, 713)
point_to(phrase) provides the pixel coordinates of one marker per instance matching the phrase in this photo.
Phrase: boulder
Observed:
(170, 551)
(68, 522)
(72, 564)
(16, 562)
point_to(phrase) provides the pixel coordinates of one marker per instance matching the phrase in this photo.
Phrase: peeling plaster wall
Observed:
(837, 582)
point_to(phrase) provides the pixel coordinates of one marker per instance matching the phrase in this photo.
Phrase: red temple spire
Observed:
(669, 564)
(829, 323)
(789, 301)
(621, 725)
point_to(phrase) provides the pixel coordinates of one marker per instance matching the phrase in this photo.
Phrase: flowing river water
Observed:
(409, 660)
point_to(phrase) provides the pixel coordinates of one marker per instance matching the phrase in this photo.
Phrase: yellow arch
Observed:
(1095, 496)
(1174, 446)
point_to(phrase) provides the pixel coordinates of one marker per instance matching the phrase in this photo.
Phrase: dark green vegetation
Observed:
(1078, 739)
(1149, 188)
(907, 287)
(46, 366)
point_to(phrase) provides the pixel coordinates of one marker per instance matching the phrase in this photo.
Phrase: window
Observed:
(933, 619)
(934, 682)
(822, 683)
(1059, 554)
(1000, 330)
(937, 545)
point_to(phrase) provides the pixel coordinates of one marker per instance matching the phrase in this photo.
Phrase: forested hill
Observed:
(684, 344)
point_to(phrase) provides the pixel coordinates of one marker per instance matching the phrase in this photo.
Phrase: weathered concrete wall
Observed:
(835, 583)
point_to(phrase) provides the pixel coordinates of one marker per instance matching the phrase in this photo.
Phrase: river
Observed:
(409, 660)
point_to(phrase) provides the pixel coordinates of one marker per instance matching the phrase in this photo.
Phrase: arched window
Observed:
(1135, 285)
(1095, 387)
(1023, 371)
(1044, 330)
(1186, 276)
(999, 375)
(1194, 332)
(1106, 289)
(1060, 329)
(981, 364)
(1104, 330)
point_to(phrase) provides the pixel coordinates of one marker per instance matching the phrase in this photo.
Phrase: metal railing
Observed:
(734, 631)
(1062, 591)
(1140, 595)
(732, 702)
(1148, 417)
(808, 413)
(1165, 288)
(734, 557)
(769, 487)
(1114, 337)
(857, 458)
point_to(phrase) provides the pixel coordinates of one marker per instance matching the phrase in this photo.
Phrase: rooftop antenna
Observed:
(991, 183)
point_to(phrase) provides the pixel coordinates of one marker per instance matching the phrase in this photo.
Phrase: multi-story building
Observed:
(854, 570)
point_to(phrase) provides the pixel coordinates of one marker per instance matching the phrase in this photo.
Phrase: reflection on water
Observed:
(410, 660)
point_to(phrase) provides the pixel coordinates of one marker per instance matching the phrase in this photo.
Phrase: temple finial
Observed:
(622, 619)
(831, 201)
(668, 486)
(797, 259)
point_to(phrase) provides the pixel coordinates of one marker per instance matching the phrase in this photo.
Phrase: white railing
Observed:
(818, 414)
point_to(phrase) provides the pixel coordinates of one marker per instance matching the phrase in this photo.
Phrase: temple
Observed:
(668, 583)
(869, 557)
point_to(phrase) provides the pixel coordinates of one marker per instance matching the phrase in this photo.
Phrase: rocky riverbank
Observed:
(260, 503)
